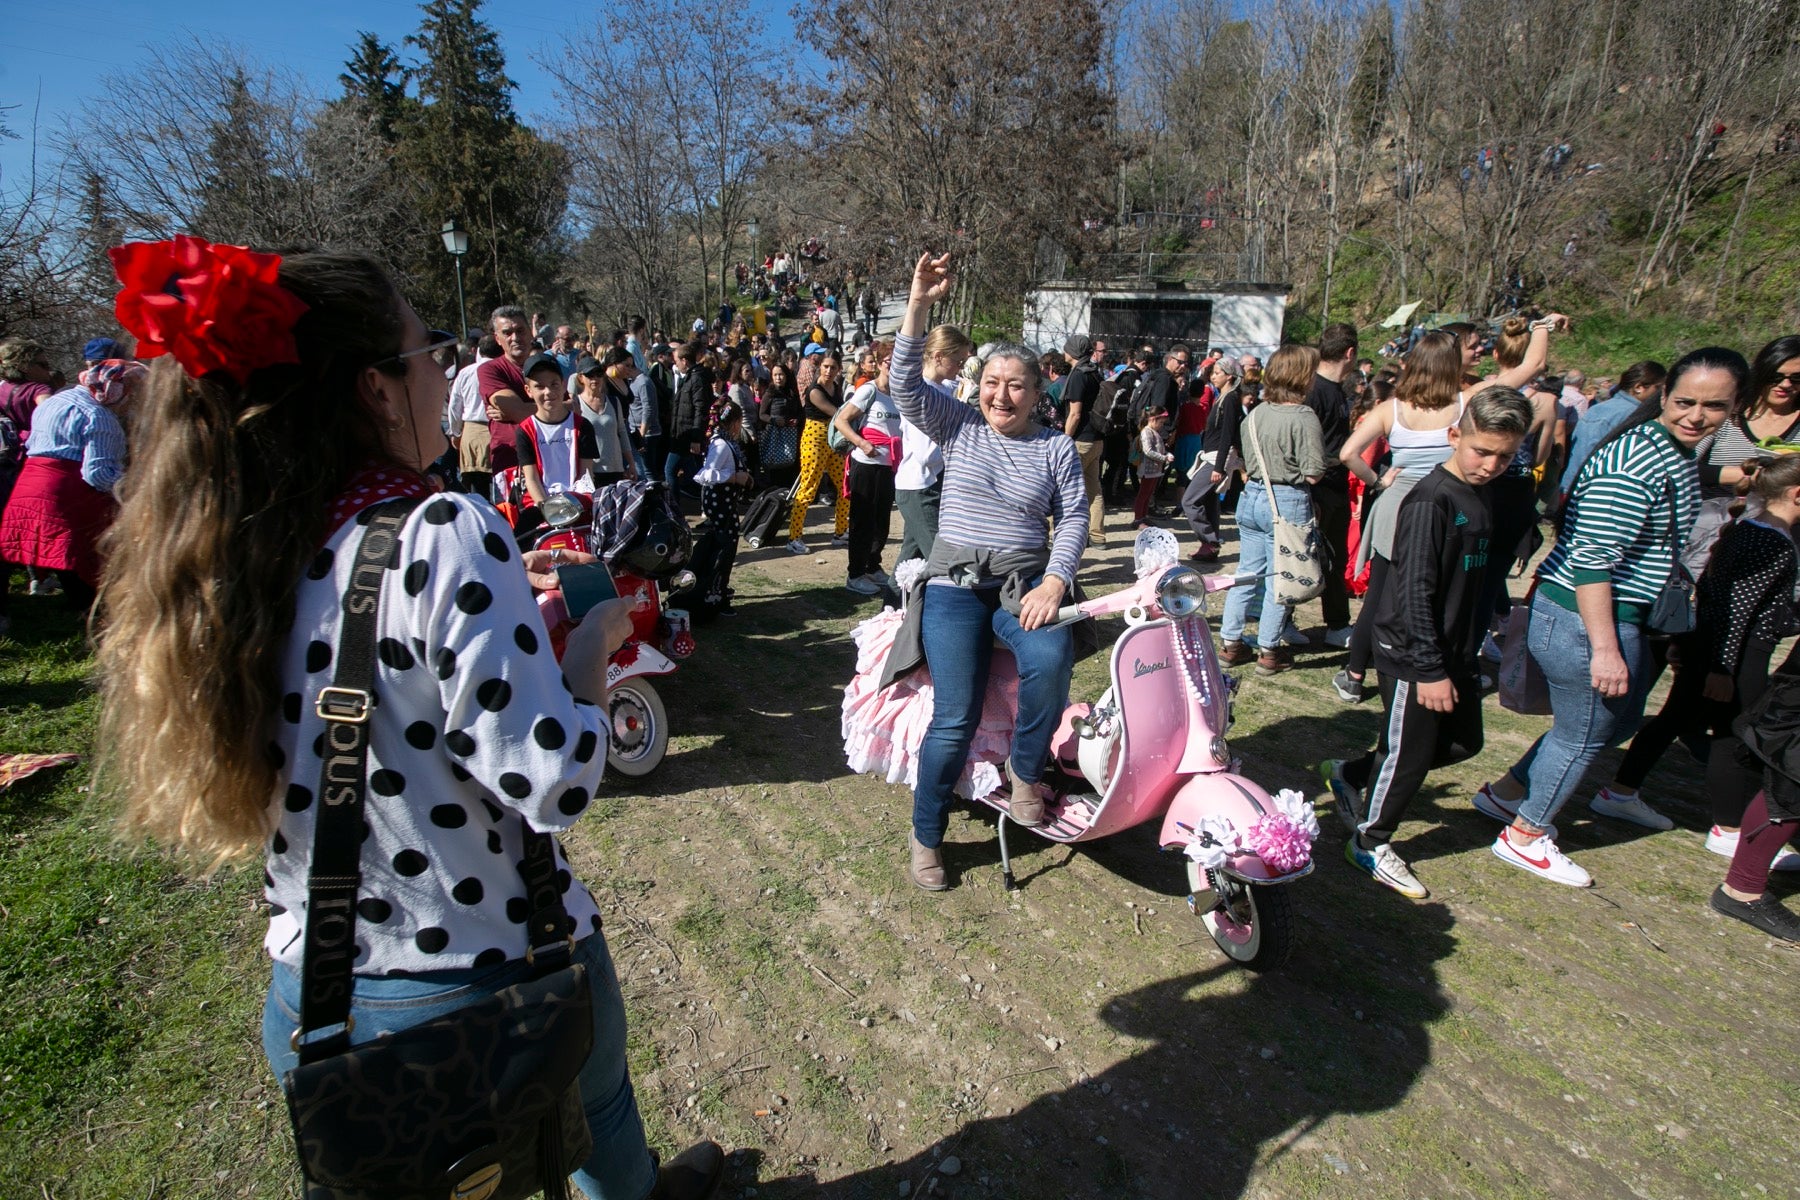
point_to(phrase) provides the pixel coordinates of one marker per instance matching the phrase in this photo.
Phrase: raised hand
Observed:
(932, 279)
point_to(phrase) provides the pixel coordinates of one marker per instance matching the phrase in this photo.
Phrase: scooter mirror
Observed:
(1181, 592)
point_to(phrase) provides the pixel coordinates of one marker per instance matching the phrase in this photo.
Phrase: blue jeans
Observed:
(620, 1167)
(1583, 723)
(958, 627)
(1256, 558)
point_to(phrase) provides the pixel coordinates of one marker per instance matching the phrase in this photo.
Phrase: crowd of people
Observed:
(1669, 499)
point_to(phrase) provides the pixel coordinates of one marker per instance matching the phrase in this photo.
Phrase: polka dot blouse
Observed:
(474, 730)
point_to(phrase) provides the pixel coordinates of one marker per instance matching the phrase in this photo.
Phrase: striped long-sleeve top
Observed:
(73, 425)
(1628, 517)
(1000, 493)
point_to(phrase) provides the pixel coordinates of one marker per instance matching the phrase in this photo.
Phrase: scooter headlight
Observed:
(1181, 592)
(682, 580)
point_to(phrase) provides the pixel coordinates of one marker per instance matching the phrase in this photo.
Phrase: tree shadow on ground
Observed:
(1239, 1072)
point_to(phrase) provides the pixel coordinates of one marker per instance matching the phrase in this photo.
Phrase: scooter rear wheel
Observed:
(1252, 924)
(637, 728)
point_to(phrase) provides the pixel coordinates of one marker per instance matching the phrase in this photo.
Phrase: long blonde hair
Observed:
(224, 506)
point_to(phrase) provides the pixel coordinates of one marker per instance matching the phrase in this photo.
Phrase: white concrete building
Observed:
(1239, 318)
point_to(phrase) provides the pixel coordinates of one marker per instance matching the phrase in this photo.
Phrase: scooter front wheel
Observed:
(1252, 924)
(637, 728)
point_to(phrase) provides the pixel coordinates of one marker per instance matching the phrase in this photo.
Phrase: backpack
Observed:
(1106, 415)
(835, 441)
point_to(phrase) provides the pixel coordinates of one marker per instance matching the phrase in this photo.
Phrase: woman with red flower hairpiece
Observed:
(297, 393)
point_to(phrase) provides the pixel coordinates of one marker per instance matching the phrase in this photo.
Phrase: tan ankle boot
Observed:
(1027, 807)
(927, 867)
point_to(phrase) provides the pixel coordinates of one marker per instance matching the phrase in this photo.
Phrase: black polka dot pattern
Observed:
(439, 512)
(494, 695)
(374, 910)
(474, 598)
(470, 737)
(394, 655)
(449, 816)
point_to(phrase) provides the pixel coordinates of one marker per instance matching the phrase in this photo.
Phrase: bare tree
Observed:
(625, 187)
(199, 138)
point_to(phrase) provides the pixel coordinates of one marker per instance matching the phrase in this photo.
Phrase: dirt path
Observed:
(793, 996)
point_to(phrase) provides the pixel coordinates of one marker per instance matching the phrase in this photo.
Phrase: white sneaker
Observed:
(1724, 843)
(796, 547)
(1340, 638)
(1609, 803)
(863, 587)
(46, 585)
(1489, 804)
(880, 578)
(1541, 857)
(1291, 636)
(840, 540)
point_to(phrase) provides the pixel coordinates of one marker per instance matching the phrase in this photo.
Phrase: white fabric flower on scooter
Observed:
(1214, 840)
(1294, 805)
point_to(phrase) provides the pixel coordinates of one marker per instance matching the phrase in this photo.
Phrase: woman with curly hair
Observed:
(301, 400)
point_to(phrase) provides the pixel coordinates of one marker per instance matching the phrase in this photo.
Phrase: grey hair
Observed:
(1017, 353)
(508, 312)
(1498, 409)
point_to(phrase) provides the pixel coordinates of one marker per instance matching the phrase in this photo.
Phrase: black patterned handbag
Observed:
(479, 1104)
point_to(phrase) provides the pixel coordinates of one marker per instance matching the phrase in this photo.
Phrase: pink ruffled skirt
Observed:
(883, 728)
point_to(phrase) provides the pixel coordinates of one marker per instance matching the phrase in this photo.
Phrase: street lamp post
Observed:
(753, 229)
(456, 241)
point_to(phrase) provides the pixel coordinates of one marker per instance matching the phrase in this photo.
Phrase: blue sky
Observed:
(55, 55)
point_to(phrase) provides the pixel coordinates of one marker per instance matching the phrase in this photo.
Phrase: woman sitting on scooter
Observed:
(994, 571)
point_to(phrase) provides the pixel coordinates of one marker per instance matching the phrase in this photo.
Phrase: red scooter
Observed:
(660, 638)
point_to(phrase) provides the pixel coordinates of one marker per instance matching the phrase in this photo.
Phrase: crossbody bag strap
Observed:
(335, 873)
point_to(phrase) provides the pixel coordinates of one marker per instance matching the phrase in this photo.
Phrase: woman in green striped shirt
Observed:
(1627, 518)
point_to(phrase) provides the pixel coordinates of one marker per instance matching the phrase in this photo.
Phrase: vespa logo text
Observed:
(1140, 668)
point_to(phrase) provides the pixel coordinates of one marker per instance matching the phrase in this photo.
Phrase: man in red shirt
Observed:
(502, 382)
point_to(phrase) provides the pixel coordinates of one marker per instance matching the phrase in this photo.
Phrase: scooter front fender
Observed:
(637, 658)
(1223, 794)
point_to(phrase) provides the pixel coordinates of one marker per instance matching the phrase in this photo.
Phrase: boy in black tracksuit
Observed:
(1427, 633)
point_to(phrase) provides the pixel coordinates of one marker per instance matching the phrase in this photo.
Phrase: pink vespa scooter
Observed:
(1154, 746)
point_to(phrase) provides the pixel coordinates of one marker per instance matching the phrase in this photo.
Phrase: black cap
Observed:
(587, 364)
(539, 362)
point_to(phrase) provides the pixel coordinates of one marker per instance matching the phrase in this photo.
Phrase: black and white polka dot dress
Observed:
(474, 729)
(719, 500)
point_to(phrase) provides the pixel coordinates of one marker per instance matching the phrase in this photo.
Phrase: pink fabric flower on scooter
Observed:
(1283, 839)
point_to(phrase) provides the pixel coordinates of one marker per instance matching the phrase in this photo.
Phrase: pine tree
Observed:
(473, 161)
(374, 82)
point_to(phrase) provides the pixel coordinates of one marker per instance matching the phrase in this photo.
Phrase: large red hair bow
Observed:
(214, 307)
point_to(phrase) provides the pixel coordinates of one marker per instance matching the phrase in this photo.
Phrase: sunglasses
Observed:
(1791, 378)
(437, 339)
